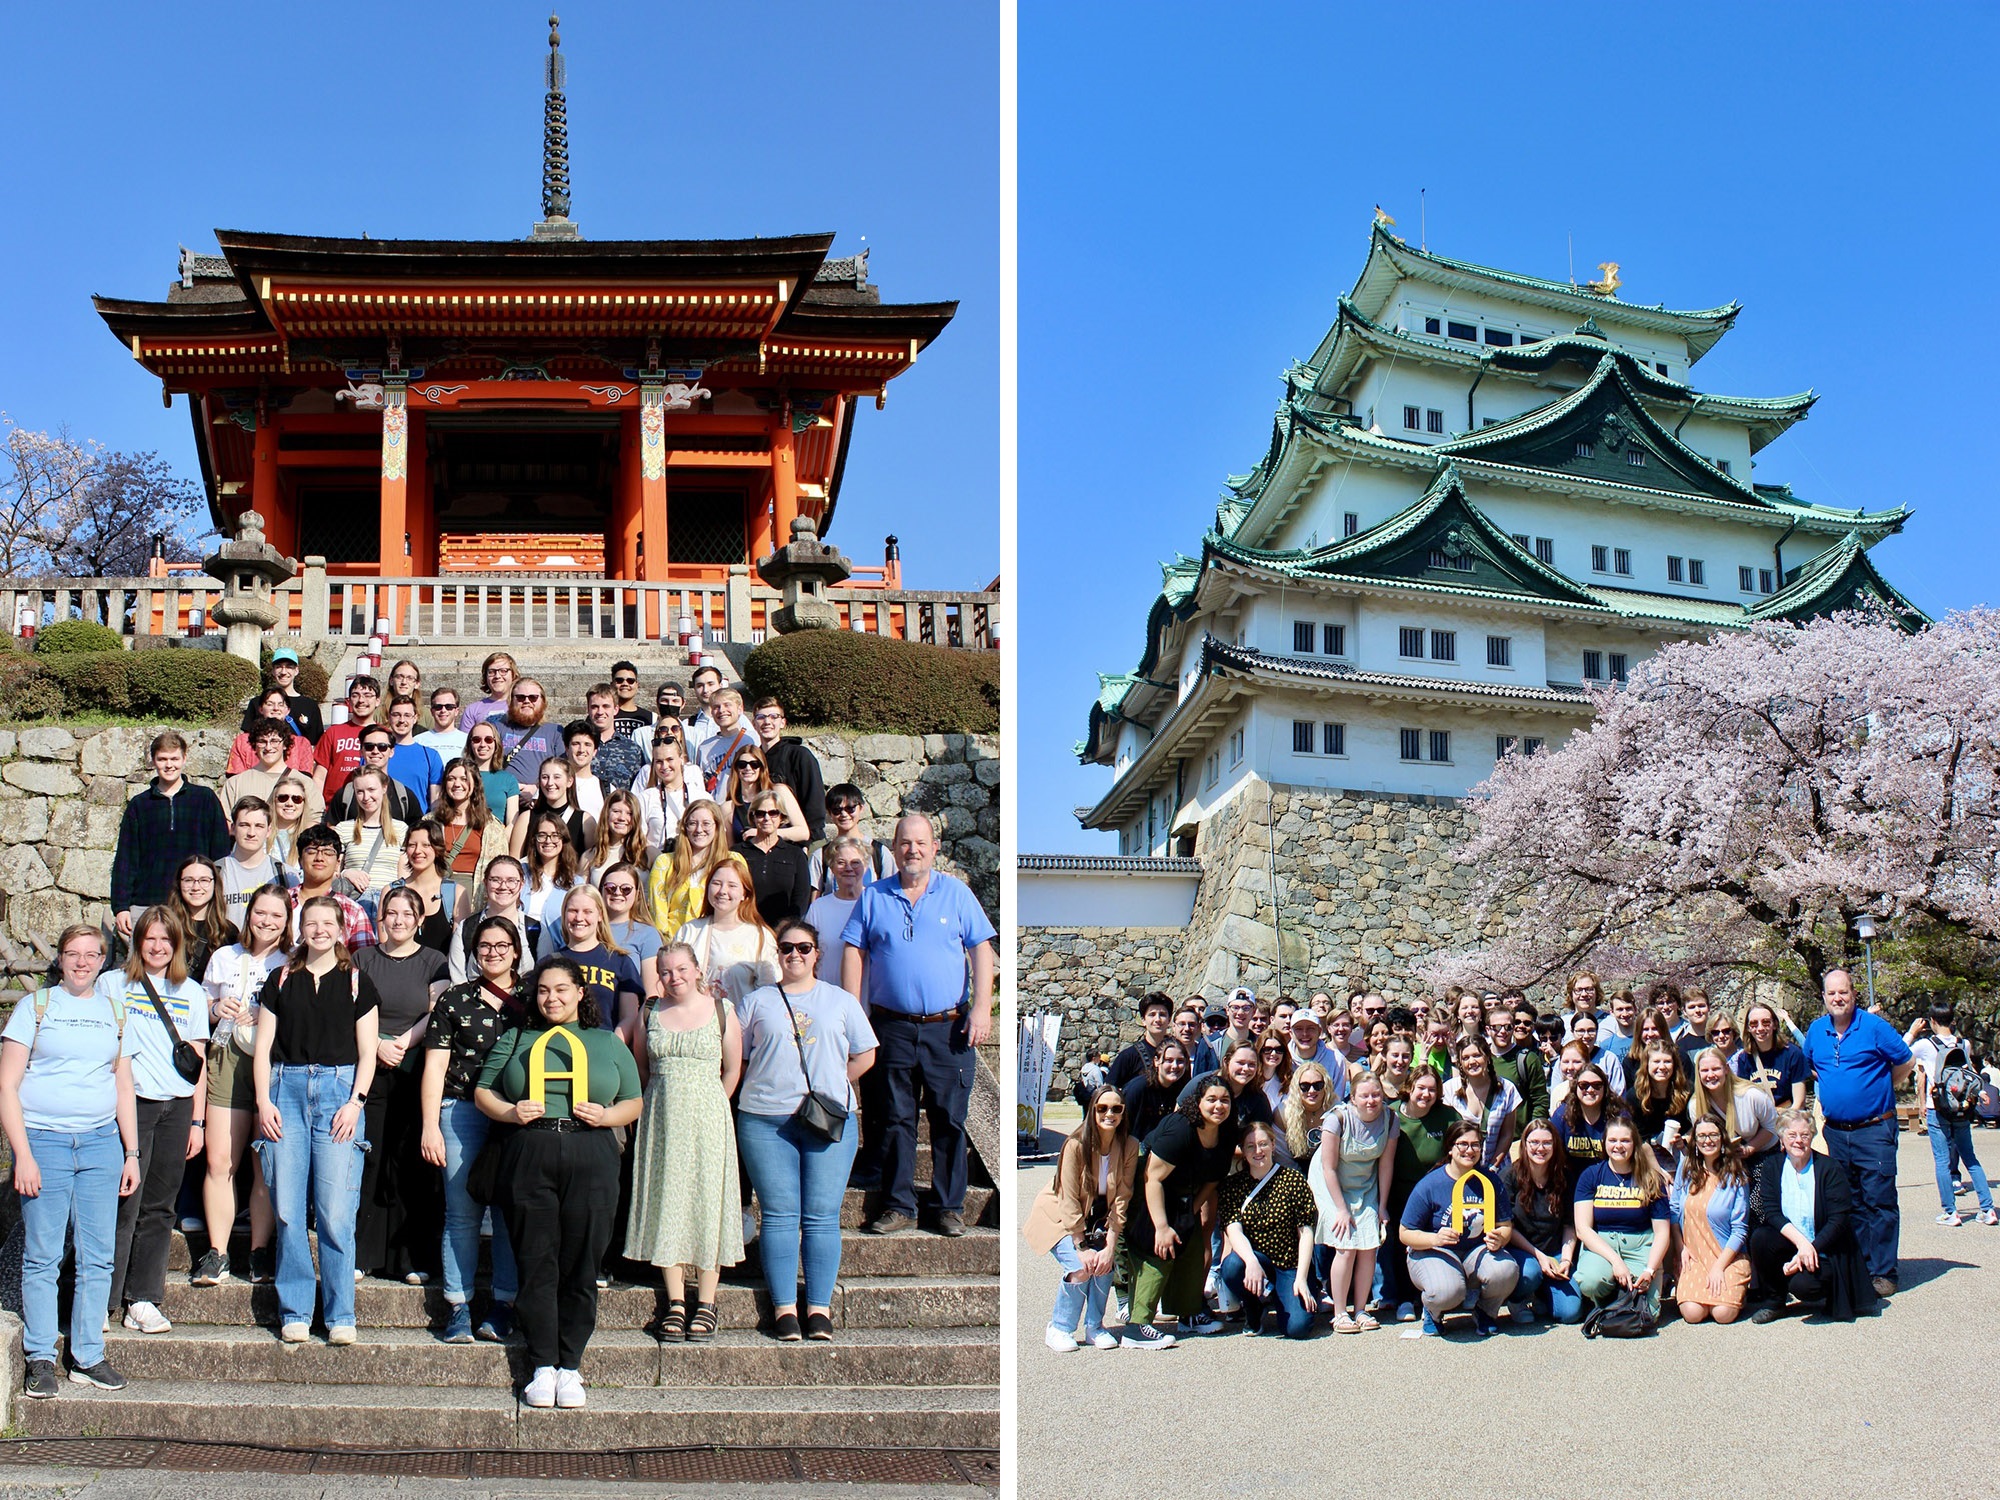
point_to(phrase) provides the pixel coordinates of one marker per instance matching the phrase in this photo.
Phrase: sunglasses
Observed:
(527, 697)
(1109, 1111)
(1590, 1088)
(748, 765)
(619, 890)
(293, 799)
(625, 681)
(843, 807)
(795, 948)
(1312, 1088)
(767, 812)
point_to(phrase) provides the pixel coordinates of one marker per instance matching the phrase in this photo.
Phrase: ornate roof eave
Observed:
(1179, 579)
(1822, 576)
(1208, 698)
(1390, 260)
(1218, 658)
(1366, 585)
(1290, 471)
(129, 319)
(920, 322)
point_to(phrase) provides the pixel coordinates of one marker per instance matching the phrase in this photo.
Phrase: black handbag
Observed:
(1096, 1225)
(187, 1060)
(1625, 1316)
(818, 1114)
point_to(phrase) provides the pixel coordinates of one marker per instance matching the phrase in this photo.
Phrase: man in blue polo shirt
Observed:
(1858, 1063)
(909, 943)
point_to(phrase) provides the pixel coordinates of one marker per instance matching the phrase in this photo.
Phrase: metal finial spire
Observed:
(555, 134)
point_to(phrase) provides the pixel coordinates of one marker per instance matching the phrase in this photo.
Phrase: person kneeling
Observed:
(1267, 1214)
(1453, 1264)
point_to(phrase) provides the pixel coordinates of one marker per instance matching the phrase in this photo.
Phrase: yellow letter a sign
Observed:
(577, 1075)
(1488, 1203)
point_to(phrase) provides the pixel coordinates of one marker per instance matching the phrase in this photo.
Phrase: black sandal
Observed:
(819, 1327)
(701, 1327)
(674, 1321)
(785, 1327)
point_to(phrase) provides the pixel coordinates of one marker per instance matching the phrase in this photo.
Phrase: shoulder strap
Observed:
(160, 1007)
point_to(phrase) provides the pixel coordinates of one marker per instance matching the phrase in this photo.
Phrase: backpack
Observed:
(1625, 1316)
(41, 1004)
(1955, 1093)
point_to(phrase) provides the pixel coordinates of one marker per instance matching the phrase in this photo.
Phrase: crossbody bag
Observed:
(818, 1114)
(187, 1061)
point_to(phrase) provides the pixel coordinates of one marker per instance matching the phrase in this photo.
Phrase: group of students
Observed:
(1351, 1165)
(408, 1023)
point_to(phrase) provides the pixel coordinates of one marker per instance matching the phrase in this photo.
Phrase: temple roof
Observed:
(1390, 261)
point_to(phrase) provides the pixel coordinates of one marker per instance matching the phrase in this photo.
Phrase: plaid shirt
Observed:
(354, 918)
(156, 833)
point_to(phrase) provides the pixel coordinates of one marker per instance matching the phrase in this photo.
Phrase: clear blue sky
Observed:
(132, 128)
(1196, 188)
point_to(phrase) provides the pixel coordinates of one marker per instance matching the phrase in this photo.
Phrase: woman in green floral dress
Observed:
(685, 1208)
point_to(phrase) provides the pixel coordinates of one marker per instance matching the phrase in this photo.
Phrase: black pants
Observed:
(927, 1065)
(399, 1224)
(1769, 1250)
(146, 1217)
(559, 1190)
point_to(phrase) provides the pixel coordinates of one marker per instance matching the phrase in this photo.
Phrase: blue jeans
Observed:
(1558, 1299)
(800, 1179)
(464, 1129)
(1869, 1155)
(309, 1166)
(1078, 1301)
(1277, 1283)
(1947, 1140)
(79, 1188)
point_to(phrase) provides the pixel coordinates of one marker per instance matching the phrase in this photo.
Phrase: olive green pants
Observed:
(1173, 1284)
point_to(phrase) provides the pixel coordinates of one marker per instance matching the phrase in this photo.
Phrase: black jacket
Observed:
(402, 804)
(798, 768)
(1843, 1278)
(305, 716)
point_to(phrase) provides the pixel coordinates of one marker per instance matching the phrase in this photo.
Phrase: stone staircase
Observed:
(915, 1364)
(566, 670)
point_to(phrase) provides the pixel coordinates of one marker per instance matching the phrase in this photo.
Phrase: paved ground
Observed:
(78, 1484)
(1899, 1404)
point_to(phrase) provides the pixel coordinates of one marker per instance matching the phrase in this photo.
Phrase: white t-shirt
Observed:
(829, 914)
(71, 1084)
(1755, 1112)
(233, 973)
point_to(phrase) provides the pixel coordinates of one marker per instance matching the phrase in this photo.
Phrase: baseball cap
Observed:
(285, 653)
(1243, 992)
(1306, 1017)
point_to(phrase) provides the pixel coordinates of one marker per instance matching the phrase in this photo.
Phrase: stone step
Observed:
(914, 1253)
(858, 1302)
(321, 1416)
(616, 1357)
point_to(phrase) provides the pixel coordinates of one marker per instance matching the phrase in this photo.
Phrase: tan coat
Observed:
(1063, 1206)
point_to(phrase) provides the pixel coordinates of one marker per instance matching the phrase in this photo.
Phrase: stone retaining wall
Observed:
(62, 794)
(1094, 977)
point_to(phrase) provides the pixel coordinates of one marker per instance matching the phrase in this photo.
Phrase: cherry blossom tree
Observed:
(1743, 799)
(46, 476)
(74, 508)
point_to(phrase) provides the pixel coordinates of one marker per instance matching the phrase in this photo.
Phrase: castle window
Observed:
(1304, 733)
(1621, 561)
(1593, 666)
(1410, 642)
(1413, 418)
(1499, 651)
(1545, 551)
(1412, 743)
(1660, 366)
(1636, 457)
(1464, 331)
(1444, 645)
(1722, 464)
(1585, 448)
(1350, 523)
(1236, 747)
(1441, 744)
(1302, 636)
(1334, 738)
(1532, 743)
(1746, 580)
(1697, 572)
(1504, 745)
(1523, 541)
(1675, 570)
(1431, 325)
(1333, 640)
(1766, 584)
(1618, 666)
(1499, 338)
(1433, 420)
(1600, 559)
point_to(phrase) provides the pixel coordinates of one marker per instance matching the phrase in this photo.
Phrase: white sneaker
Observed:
(1950, 1220)
(143, 1317)
(295, 1333)
(342, 1335)
(569, 1390)
(1059, 1341)
(1197, 1326)
(1104, 1338)
(541, 1390)
(1220, 1297)
(1989, 1217)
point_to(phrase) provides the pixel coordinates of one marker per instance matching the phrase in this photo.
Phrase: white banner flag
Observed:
(1037, 1054)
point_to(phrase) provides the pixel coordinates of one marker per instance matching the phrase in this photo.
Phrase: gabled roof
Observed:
(1219, 658)
(1480, 558)
(1177, 585)
(1606, 417)
(1390, 261)
(1840, 578)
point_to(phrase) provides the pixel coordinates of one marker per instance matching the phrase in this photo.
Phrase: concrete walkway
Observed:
(147, 1484)
(1898, 1404)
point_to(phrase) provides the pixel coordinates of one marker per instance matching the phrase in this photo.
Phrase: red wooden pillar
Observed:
(653, 496)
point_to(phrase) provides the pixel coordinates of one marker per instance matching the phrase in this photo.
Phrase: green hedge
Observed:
(193, 685)
(870, 682)
(93, 680)
(67, 637)
(28, 691)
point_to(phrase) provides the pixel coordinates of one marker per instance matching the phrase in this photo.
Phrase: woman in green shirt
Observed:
(566, 1083)
(1421, 1119)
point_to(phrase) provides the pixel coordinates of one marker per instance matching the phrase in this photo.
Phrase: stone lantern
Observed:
(802, 571)
(250, 568)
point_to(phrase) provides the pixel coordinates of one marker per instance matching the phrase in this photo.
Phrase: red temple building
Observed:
(656, 410)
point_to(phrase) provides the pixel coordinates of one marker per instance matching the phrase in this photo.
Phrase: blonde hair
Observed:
(595, 897)
(151, 917)
(685, 865)
(1292, 1108)
(1722, 1102)
(392, 831)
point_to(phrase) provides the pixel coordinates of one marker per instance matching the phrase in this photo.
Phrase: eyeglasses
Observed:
(191, 878)
(494, 950)
(795, 948)
(550, 836)
(619, 890)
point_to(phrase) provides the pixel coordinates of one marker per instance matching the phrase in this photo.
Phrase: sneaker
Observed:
(1961, 1189)
(100, 1375)
(42, 1382)
(1765, 1314)
(889, 1222)
(341, 1336)
(603, 1282)
(359, 1276)
(1104, 1338)
(295, 1333)
(1059, 1341)
(1145, 1336)
(1429, 1329)
(496, 1325)
(143, 1317)
(1484, 1323)
(1114, 1308)
(263, 1265)
(210, 1270)
(1989, 1217)
(458, 1326)
(417, 1278)
(541, 1388)
(1406, 1312)
(1950, 1220)
(1220, 1297)
(1202, 1323)
(569, 1390)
